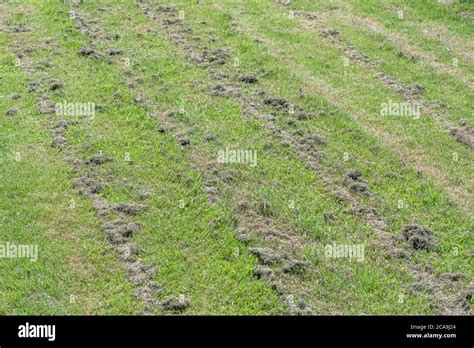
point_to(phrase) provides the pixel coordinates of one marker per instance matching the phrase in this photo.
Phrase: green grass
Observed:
(425, 199)
(451, 92)
(161, 167)
(190, 241)
(74, 272)
(275, 181)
